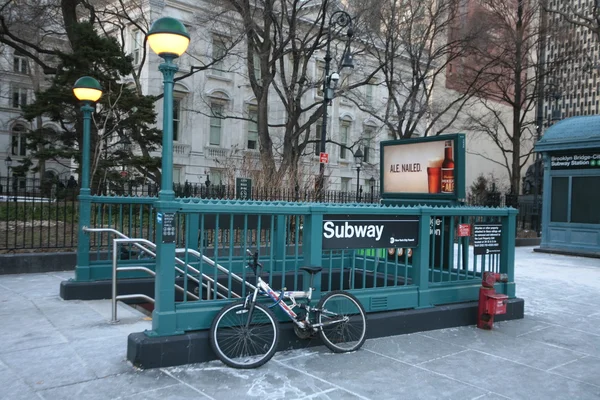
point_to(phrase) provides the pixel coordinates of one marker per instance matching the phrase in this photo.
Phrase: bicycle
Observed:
(245, 334)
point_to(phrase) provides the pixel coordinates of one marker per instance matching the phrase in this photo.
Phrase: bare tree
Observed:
(510, 44)
(283, 39)
(416, 42)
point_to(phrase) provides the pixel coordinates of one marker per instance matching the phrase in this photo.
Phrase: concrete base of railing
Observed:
(96, 290)
(527, 242)
(30, 263)
(156, 352)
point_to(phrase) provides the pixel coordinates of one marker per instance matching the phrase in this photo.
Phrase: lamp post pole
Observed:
(169, 39)
(342, 19)
(85, 198)
(358, 158)
(88, 91)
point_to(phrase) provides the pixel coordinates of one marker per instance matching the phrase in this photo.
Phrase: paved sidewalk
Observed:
(55, 349)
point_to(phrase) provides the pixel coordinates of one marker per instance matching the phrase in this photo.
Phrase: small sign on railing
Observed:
(486, 238)
(243, 188)
(464, 230)
(168, 228)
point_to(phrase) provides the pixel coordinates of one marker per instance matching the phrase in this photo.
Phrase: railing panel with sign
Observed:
(390, 257)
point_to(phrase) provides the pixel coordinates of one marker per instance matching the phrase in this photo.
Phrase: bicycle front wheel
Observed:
(344, 325)
(244, 338)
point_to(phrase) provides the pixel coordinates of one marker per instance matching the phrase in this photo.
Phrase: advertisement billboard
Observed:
(423, 168)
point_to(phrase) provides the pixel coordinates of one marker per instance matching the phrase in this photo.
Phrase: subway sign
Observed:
(579, 160)
(370, 231)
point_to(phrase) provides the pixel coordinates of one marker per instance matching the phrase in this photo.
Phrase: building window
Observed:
(136, 46)
(218, 53)
(176, 175)
(176, 119)
(216, 124)
(344, 134)
(216, 177)
(369, 93)
(252, 133)
(19, 97)
(345, 184)
(368, 144)
(257, 71)
(320, 75)
(20, 65)
(318, 128)
(18, 141)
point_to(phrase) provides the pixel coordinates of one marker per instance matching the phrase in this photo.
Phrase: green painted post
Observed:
(420, 269)
(279, 240)
(82, 270)
(169, 39)
(507, 258)
(312, 248)
(164, 319)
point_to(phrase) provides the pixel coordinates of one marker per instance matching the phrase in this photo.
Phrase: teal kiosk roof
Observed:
(571, 133)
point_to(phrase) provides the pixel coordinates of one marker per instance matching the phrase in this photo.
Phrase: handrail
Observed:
(181, 262)
(115, 257)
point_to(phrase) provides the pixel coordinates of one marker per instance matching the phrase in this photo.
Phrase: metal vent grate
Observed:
(379, 303)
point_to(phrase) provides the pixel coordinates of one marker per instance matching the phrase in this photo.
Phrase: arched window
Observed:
(18, 140)
(368, 142)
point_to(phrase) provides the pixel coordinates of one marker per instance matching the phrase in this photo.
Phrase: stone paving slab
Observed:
(53, 350)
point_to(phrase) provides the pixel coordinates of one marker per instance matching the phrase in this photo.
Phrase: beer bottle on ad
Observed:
(448, 169)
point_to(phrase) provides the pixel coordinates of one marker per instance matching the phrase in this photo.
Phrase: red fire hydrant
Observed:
(490, 302)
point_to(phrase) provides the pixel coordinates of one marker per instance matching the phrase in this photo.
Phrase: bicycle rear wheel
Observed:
(242, 340)
(344, 323)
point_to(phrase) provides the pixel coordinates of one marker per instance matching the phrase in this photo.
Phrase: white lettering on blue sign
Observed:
(347, 231)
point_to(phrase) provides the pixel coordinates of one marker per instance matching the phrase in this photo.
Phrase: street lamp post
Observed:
(341, 19)
(358, 158)
(8, 163)
(553, 93)
(88, 91)
(169, 39)
(372, 185)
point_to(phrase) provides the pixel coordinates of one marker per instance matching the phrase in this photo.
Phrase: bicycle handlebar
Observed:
(254, 264)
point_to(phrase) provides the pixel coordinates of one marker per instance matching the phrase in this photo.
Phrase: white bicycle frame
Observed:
(279, 298)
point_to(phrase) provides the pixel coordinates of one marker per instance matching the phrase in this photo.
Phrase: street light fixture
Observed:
(88, 91)
(330, 81)
(358, 158)
(169, 39)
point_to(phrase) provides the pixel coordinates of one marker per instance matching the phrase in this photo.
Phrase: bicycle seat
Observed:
(311, 270)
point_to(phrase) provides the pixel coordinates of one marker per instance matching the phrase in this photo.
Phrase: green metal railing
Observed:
(442, 269)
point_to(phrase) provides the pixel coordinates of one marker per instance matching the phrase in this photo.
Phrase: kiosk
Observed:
(571, 213)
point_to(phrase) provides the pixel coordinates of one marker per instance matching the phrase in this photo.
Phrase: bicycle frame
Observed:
(280, 298)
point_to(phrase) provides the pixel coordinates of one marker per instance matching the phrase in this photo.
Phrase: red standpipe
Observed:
(490, 302)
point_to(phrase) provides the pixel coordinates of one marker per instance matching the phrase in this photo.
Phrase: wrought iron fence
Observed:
(530, 213)
(43, 216)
